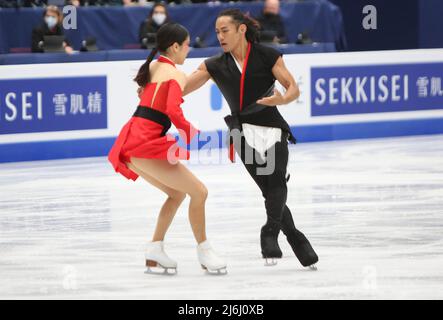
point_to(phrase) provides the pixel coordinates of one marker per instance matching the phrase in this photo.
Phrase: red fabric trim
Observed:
(242, 85)
(165, 60)
(231, 152)
(242, 80)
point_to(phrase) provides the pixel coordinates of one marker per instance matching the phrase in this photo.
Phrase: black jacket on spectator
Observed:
(147, 26)
(39, 32)
(272, 22)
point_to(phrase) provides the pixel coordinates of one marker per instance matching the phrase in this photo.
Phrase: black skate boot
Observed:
(269, 245)
(302, 249)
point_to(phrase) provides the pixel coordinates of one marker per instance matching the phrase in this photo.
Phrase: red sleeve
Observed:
(175, 113)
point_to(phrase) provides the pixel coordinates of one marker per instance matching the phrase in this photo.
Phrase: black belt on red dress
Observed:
(154, 115)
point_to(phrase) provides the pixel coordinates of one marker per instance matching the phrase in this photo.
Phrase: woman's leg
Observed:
(179, 178)
(169, 208)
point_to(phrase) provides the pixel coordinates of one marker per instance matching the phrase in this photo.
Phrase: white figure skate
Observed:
(157, 261)
(209, 261)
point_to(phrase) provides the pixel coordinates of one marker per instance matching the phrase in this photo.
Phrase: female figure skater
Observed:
(245, 74)
(144, 149)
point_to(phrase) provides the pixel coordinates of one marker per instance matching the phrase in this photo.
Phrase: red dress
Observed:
(144, 138)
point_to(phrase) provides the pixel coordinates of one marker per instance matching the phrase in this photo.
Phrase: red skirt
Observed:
(141, 138)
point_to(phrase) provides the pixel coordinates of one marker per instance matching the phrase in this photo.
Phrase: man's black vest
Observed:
(259, 82)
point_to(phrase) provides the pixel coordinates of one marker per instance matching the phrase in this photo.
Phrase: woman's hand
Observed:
(140, 92)
(276, 99)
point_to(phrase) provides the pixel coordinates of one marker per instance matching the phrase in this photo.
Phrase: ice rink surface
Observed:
(372, 209)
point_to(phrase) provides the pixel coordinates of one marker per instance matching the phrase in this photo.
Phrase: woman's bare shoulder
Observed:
(164, 73)
(181, 78)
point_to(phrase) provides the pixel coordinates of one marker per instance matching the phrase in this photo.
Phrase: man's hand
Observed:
(276, 99)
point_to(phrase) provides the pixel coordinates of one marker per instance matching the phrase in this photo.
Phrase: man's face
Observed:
(228, 33)
(272, 7)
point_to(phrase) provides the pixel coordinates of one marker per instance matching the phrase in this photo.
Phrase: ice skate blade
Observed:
(269, 262)
(313, 267)
(152, 267)
(161, 271)
(216, 272)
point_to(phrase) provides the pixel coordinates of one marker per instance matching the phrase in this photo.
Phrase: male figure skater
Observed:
(245, 73)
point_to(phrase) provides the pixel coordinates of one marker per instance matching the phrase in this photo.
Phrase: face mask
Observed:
(159, 18)
(51, 21)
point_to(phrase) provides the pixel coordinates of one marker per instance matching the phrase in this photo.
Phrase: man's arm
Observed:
(197, 79)
(282, 74)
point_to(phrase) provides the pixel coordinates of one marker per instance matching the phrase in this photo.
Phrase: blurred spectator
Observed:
(22, 3)
(7, 4)
(157, 17)
(128, 3)
(51, 26)
(33, 3)
(86, 3)
(75, 3)
(271, 24)
(78, 3)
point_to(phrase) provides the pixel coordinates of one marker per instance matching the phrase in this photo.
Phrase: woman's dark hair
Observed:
(159, 4)
(252, 32)
(166, 36)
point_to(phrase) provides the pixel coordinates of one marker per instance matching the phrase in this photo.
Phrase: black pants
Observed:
(273, 186)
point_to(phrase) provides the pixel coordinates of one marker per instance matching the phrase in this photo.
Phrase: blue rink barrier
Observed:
(97, 147)
(139, 54)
